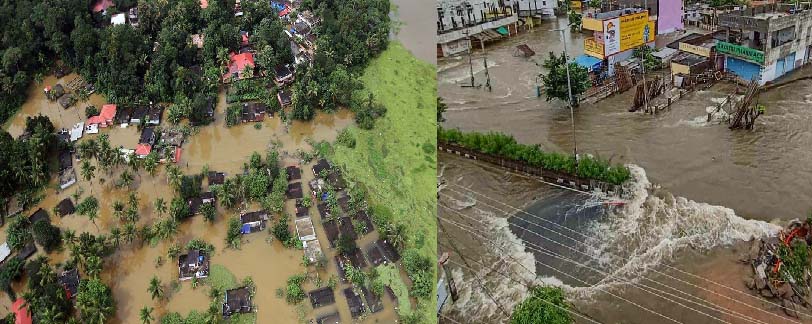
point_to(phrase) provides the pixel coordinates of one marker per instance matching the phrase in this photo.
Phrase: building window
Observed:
(544, 3)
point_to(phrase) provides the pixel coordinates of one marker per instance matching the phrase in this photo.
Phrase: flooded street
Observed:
(670, 254)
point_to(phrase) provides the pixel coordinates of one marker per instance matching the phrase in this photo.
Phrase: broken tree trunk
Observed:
(745, 115)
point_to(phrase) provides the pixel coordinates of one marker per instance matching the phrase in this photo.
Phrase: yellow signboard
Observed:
(635, 30)
(593, 48)
(575, 5)
(591, 24)
(698, 50)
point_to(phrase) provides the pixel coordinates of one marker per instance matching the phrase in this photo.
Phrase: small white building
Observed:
(118, 19)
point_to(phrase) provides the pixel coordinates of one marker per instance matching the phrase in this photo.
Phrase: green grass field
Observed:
(396, 161)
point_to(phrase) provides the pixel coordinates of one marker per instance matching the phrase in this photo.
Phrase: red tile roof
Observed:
(21, 314)
(108, 112)
(177, 154)
(101, 5)
(143, 149)
(238, 63)
(284, 12)
(105, 118)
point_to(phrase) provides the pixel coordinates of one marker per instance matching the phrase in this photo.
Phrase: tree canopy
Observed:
(555, 81)
(543, 305)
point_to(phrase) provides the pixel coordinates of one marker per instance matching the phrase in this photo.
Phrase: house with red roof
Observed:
(142, 150)
(101, 5)
(237, 66)
(105, 118)
(21, 313)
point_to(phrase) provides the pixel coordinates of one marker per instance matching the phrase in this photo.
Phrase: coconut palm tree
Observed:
(115, 236)
(126, 179)
(156, 289)
(160, 206)
(118, 209)
(146, 315)
(174, 176)
(130, 232)
(88, 171)
(50, 315)
(69, 236)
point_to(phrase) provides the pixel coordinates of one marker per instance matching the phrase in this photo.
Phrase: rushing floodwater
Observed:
(712, 190)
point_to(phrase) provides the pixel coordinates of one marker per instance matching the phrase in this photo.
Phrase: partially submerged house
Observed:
(322, 297)
(216, 178)
(104, 118)
(21, 313)
(101, 5)
(139, 114)
(142, 150)
(312, 250)
(331, 230)
(53, 93)
(294, 190)
(283, 74)
(374, 255)
(147, 136)
(154, 114)
(321, 165)
(253, 222)
(67, 178)
(332, 318)
(66, 100)
(356, 258)
(65, 207)
(194, 264)
(253, 112)
(305, 229)
(355, 302)
(373, 302)
(237, 300)
(69, 279)
(346, 228)
(294, 173)
(39, 215)
(388, 250)
(195, 203)
(238, 65)
(123, 116)
(27, 251)
(363, 217)
(284, 97)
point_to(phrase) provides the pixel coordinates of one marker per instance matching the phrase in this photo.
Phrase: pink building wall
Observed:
(669, 16)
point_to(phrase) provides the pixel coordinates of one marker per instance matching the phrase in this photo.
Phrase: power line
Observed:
(499, 305)
(574, 278)
(647, 288)
(654, 270)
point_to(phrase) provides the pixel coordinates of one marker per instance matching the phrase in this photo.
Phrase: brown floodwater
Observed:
(700, 190)
(223, 149)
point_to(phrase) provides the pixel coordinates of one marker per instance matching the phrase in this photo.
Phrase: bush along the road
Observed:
(506, 146)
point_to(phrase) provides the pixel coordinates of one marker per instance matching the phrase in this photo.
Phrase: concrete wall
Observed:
(533, 7)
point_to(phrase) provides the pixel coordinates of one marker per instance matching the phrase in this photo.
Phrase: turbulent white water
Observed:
(626, 243)
(654, 224)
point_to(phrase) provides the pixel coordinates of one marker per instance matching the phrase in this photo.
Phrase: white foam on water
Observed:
(653, 225)
(499, 284)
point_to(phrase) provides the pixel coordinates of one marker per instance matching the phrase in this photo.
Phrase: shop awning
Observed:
(502, 31)
(589, 62)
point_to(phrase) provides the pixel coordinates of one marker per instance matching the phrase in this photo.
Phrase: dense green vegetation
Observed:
(397, 174)
(24, 162)
(555, 82)
(543, 305)
(350, 34)
(506, 146)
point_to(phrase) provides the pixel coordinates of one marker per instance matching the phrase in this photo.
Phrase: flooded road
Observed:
(670, 254)
(759, 173)
(417, 27)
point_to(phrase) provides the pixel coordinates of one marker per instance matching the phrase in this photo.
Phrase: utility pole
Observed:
(569, 92)
(487, 75)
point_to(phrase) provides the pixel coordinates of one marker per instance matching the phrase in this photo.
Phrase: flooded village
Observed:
(687, 199)
(243, 197)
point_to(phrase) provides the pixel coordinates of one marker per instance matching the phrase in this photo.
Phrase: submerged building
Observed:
(461, 21)
(766, 42)
(615, 36)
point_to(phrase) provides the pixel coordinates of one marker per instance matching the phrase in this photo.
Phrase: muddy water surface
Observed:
(713, 189)
(224, 149)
